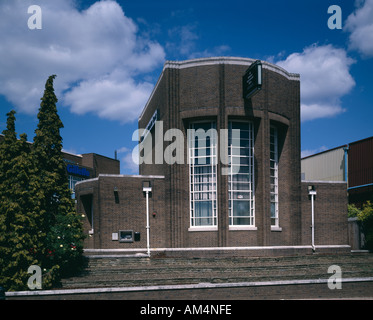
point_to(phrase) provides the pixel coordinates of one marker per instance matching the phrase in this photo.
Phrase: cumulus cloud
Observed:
(183, 39)
(109, 98)
(183, 42)
(360, 25)
(325, 79)
(129, 166)
(97, 55)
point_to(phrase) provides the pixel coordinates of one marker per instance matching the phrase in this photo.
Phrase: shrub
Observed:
(366, 218)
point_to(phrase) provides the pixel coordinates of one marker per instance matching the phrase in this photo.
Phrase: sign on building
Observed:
(252, 80)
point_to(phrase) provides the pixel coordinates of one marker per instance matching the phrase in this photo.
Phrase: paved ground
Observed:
(361, 290)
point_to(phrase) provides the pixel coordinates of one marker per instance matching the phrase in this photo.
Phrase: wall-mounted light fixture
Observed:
(147, 188)
(311, 191)
(312, 194)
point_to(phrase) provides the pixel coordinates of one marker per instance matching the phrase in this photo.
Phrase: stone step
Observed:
(114, 272)
(172, 281)
(297, 269)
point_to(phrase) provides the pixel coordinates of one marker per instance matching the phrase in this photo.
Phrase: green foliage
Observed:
(17, 221)
(63, 243)
(38, 222)
(366, 218)
(353, 211)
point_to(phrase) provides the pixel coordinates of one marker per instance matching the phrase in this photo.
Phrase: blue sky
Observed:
(108, 56)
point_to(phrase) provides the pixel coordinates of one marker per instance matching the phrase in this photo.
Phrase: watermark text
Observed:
(35, 20)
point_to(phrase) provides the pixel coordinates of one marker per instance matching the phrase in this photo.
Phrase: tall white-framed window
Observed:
(274, 176)
(241, 177)
(202, 148)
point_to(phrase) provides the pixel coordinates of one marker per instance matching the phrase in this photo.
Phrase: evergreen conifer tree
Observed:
(63, 243)
(18, 221)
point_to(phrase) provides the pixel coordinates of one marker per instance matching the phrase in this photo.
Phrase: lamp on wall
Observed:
(147, 188)
(312, 194)
(311, 191)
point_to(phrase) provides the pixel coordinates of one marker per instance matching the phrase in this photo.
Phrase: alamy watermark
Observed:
(35, 20)
(335, 281)
(203, 142)
(35, 281)
(335, 20)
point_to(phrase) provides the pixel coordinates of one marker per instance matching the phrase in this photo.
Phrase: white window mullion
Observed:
(203, 180)
(274, 176)
(241, 184)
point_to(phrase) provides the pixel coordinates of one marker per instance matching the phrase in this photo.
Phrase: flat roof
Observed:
(131, 176)
(121, 176)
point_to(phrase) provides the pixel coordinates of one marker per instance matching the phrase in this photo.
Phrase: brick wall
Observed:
(100, 164)
(213, 91)
(330, 213)
(120, 204)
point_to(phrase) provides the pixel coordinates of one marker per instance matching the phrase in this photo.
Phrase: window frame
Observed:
(250, 191)
(208, 179)
(274, 162)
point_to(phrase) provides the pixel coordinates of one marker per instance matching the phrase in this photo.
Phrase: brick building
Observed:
(80, 167)
(221, 153)
(352, 163)
(88, 166)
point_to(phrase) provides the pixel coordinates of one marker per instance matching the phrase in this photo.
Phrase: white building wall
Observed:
(325, 166)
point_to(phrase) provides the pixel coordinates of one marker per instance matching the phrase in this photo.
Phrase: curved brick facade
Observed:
(210, 89)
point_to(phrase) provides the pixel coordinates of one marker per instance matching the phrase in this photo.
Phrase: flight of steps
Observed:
(142, 271)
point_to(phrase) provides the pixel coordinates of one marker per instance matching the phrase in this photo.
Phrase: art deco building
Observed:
(221, 154)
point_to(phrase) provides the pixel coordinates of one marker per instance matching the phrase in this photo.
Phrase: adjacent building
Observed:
(86, 166)
(352, 163)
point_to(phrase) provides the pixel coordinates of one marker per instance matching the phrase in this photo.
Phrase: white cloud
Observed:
(325, 79)
(360, 24)
(123, 150)
(128, 165)
(183, 39)
(109, 98)
(96, 53)
(317, 111)
(183, 42)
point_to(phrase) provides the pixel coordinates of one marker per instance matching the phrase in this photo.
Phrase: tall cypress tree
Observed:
(48, 157)
(18, 211)
(64, 234)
